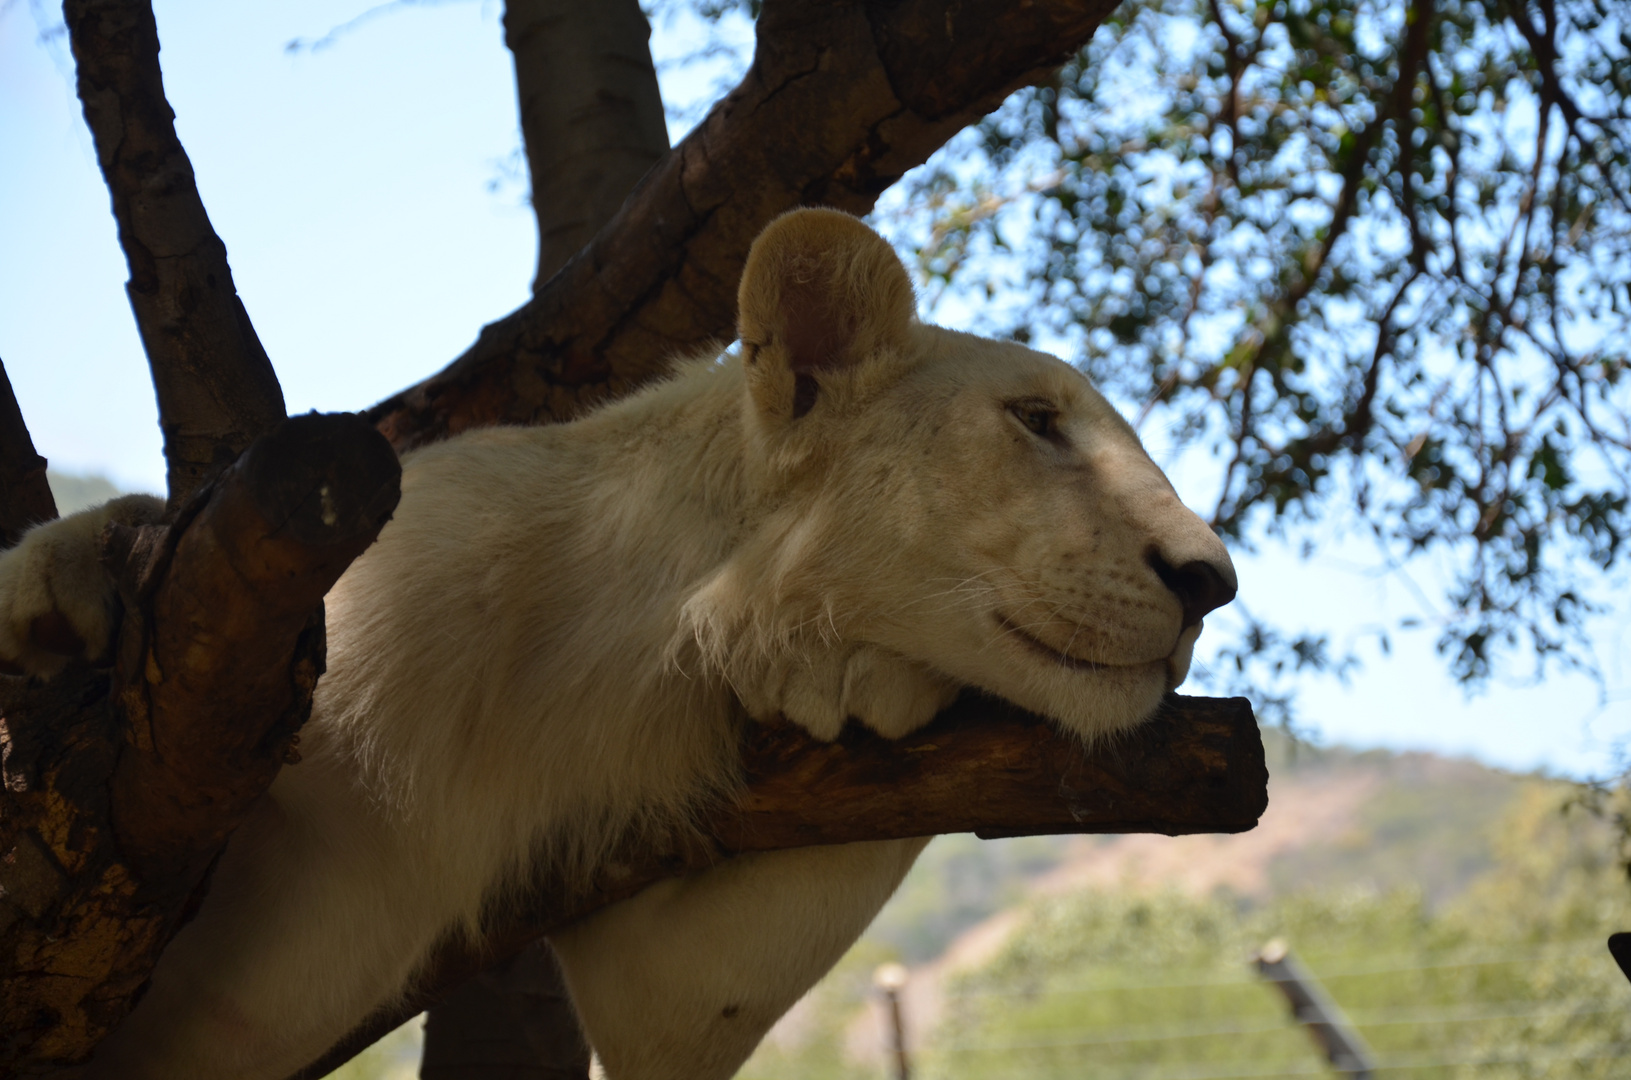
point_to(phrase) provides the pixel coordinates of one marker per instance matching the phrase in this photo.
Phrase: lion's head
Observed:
(972, 505)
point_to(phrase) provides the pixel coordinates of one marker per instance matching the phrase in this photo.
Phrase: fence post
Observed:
(1314, 1008)
(890, 979)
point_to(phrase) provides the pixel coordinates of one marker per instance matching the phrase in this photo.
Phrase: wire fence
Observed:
(1246, 1071)
(1591, 948)
(1534, 1036)
(1164, 1033)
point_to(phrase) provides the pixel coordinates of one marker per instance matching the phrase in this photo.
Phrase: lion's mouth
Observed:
(1037, 645)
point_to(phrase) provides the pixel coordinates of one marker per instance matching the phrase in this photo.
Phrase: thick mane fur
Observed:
(577, 712)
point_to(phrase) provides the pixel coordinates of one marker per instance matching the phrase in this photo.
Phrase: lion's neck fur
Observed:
(556, 562)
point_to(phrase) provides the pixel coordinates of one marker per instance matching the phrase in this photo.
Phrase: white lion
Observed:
(851, 515)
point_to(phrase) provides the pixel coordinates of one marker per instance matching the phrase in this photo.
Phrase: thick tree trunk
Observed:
(121, 786)
(513, 1021)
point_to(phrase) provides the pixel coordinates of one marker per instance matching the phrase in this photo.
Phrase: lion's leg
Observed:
(682, 981)
(305, 930)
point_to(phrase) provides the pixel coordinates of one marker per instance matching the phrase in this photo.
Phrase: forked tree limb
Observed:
(216, 389)
(234, 641)
(121, 785)
(983, 766)
(841, 100)
(109, 826)
(25, 496)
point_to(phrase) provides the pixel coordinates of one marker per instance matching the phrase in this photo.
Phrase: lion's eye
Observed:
(1040, 419)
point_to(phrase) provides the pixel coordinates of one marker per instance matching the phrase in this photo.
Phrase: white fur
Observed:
(547, 647)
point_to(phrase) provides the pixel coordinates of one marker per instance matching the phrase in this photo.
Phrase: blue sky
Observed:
(361, 190)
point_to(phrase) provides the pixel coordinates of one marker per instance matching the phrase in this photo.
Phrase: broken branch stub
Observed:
(236, 639)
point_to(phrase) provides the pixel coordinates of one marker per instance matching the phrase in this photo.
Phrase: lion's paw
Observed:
(887, 692)
(891, 694)
(57, 601)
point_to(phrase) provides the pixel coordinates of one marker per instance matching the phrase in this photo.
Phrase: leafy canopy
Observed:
(1373, 254)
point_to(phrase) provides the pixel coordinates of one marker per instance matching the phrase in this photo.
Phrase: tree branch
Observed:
(592, 123)
(25, 496)
(840, 101)
(215, 386)
(591, 114)
(111, 821)
(983, 766)
(234, 645)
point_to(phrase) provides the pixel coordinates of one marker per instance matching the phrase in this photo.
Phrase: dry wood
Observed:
(842, 98)
(984, 766)
(25, 497)
(216, 389)
(108, 824)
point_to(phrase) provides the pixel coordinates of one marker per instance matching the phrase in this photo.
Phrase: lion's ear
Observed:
(821, 294)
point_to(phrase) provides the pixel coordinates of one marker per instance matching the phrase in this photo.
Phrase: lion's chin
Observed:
(1086, 697)
(1182, 654)
(1095, 703)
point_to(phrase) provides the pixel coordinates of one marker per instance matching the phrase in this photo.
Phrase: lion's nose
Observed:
(1199, 586)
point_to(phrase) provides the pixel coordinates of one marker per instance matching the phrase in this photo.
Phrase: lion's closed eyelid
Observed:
(1040, 416)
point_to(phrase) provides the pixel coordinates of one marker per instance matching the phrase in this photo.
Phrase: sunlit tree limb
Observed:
(215, 386)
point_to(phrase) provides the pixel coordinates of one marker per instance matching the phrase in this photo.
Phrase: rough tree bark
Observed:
(122, 782)
(215, 385)
(121, 785)
(591, 116)
(201, 702)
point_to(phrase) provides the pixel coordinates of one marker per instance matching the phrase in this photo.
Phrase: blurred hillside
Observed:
(1455, 912)
(1337, 818)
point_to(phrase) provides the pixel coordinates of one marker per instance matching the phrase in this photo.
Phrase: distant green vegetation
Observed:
(957, 882)
(1509, 980)
(395, 1057)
